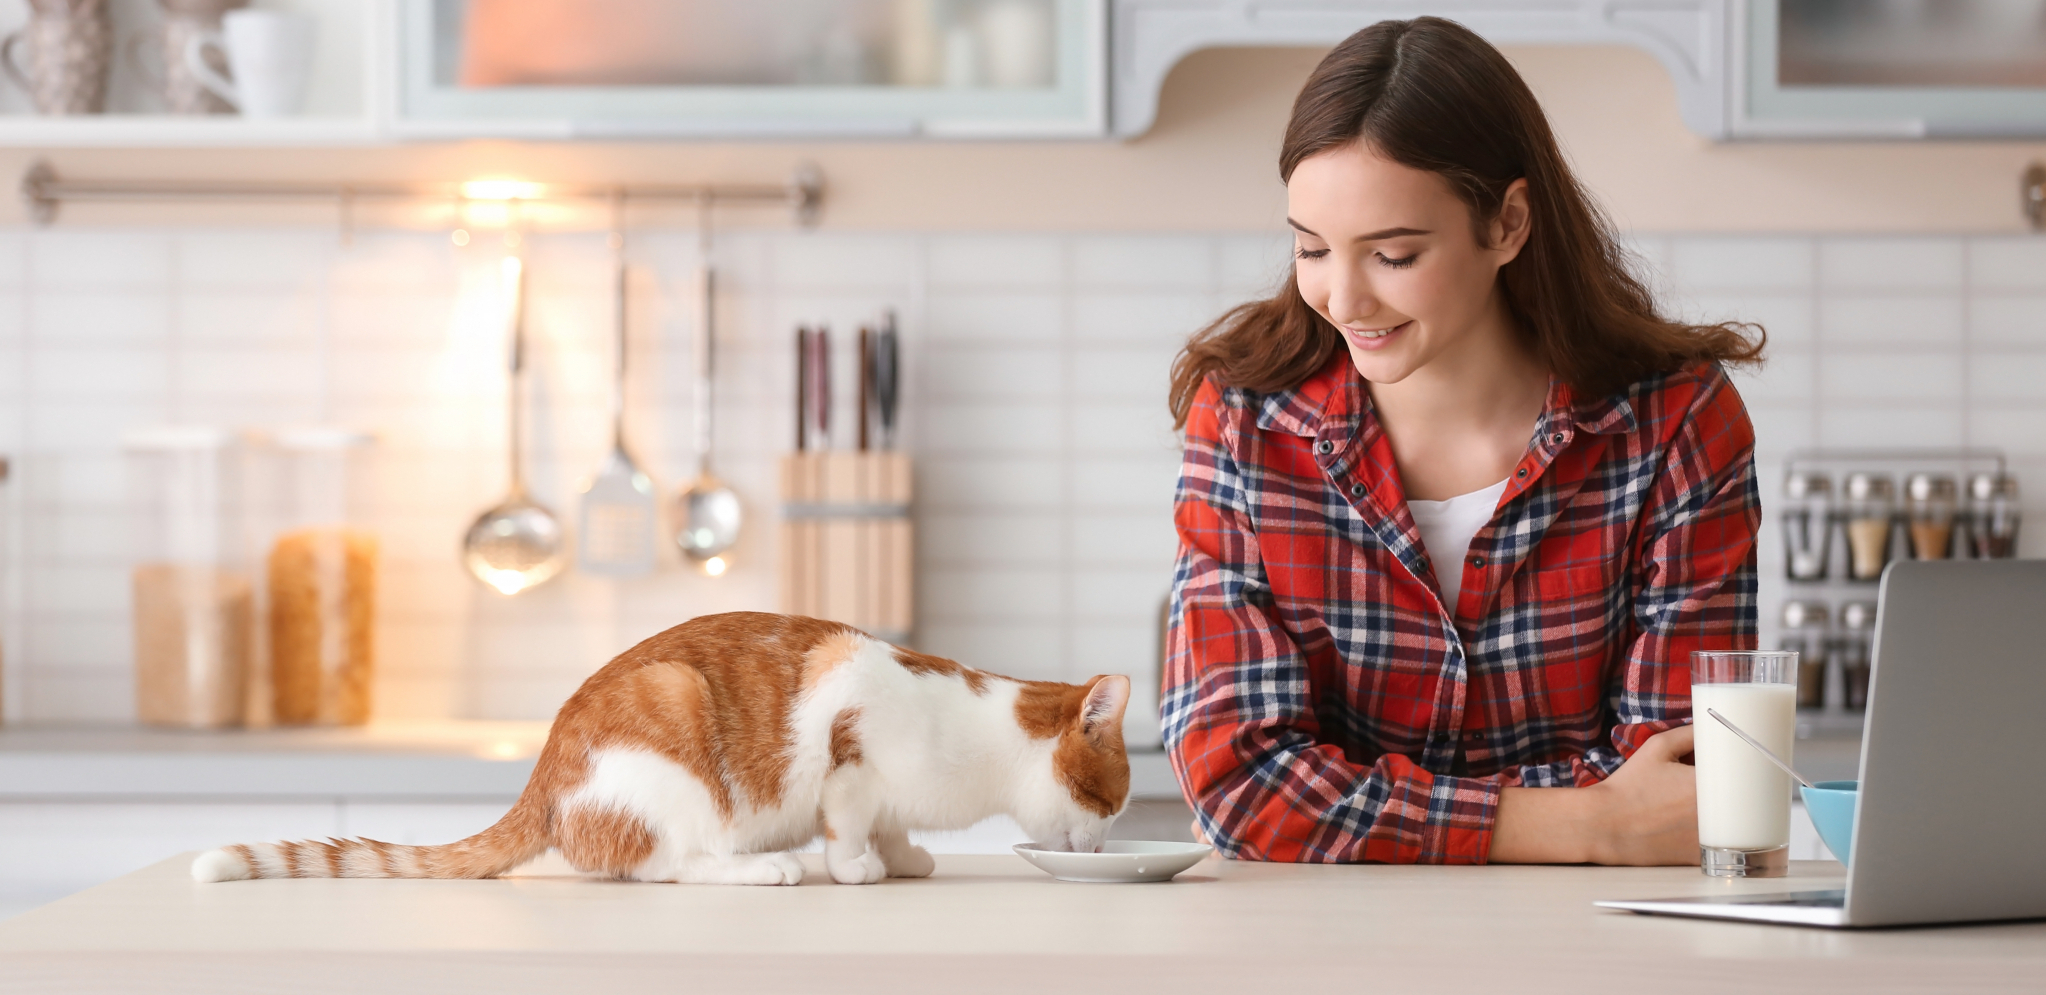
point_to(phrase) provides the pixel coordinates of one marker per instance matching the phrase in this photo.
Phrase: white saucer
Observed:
(1119, 862)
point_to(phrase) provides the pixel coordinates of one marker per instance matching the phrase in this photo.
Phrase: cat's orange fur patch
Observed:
(603, 840)
(832, 650)
(924, 664)
(1093, 766)
(845, 739)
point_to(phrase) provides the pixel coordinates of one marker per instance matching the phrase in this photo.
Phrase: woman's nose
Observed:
(1350, 299)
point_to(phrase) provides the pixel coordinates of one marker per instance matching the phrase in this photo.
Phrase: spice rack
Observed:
(1844, 515)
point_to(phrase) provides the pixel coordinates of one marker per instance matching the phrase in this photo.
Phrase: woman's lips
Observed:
(1375, 338)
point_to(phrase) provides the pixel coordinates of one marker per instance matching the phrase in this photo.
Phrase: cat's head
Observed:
(1084, 777)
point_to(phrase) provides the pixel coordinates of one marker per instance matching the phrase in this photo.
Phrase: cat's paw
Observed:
(911, 862)
(787, 868)
(866, 868)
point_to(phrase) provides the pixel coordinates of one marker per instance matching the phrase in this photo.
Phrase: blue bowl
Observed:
(1831, 806)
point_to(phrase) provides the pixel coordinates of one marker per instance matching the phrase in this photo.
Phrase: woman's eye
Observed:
(1310, 253)
(1401, 263)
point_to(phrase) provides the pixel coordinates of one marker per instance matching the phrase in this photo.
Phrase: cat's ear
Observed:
(1105, 703)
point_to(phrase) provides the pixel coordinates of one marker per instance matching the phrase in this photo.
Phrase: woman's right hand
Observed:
(1647, 811)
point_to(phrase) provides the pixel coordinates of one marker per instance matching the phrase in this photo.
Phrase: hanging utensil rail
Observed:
(44, 191)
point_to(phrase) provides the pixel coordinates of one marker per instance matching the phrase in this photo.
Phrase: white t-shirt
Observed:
(1447, 528)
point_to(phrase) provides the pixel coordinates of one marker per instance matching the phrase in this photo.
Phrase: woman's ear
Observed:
(1513, 223)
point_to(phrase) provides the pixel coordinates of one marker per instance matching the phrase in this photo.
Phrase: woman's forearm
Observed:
(1645, 813)
(1546, 826)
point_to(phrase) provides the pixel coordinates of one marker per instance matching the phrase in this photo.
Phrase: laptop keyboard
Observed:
(1833, 899)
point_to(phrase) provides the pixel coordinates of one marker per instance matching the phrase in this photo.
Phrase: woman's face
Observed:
(1386, 253)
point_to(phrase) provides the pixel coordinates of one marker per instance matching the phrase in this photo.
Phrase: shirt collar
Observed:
(1334, 398)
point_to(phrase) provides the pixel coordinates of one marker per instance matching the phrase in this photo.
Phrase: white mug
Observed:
(270, 53)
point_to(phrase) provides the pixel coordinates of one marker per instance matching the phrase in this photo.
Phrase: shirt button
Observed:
(1474, 736)
(1356, 490)
(1324, 447)
(1478, 561)
(1521, 473)
(1556, 440)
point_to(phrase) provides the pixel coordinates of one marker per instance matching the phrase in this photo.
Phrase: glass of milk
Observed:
(1743, 800)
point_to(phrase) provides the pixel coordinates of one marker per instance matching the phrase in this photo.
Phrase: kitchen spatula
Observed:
(618, 506)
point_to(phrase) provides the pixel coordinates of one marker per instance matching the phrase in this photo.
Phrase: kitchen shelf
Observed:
(168, 131)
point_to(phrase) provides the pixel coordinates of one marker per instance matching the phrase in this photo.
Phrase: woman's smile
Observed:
(1374, 338)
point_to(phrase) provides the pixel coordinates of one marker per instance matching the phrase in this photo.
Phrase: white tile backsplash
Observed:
(979, 262)
(1154, 262)
(1890, 264)
(1035, 371)
(1901, 376)
(2008, 262)
(1931, 321)
(1724, 263)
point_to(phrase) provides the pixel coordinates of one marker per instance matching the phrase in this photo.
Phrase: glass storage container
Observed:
(194, 594)
(1930, 501)
(1804, 632)
(322, 578)
(1869, 507)
(1857, 632)
(1807, 524)
(1993, 515)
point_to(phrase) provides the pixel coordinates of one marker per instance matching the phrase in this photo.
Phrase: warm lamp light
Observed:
(503, 190)
(715, 566)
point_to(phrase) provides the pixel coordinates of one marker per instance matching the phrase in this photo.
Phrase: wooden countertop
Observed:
(981, 924)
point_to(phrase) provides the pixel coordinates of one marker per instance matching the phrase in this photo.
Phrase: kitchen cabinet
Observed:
(1743, 69)
(736, 68)
(391, 70)
(344, 98)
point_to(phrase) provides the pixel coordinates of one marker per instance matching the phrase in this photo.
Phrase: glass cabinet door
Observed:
(656, 68)
(1908, 68)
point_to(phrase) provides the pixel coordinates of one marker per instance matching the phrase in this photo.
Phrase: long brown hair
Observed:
(1429, 94)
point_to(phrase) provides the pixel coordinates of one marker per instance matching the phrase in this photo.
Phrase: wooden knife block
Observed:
(847, 544)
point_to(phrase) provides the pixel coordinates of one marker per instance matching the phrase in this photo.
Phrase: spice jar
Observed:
(1929, 505)
(1807, 524)
(1857, 633)
(1870, 505)
(1804, 632)
(194, 594)
(322, 573)
(1993, 515)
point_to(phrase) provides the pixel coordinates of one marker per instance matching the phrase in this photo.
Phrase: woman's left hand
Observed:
(1647, 811)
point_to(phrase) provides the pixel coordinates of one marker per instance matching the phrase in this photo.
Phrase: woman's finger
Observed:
(1670, 744)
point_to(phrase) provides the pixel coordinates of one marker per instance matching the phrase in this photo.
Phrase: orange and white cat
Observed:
(707, 752)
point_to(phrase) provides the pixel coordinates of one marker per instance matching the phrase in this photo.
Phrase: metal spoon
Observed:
(1752, 741)
(518, 544)
(707, 513)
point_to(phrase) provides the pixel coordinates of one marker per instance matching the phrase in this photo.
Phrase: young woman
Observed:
(1457, 504)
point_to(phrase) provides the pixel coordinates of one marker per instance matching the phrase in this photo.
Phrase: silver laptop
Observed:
(1952, 795)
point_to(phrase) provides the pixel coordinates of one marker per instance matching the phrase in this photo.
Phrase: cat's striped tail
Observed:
(518, 837)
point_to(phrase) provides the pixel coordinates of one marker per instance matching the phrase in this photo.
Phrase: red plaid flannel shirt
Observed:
(1322, 704)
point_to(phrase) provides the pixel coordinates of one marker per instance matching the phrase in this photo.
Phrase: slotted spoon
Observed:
(618, 505)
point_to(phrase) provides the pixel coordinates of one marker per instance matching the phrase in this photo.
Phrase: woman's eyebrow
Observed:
(1366, 237)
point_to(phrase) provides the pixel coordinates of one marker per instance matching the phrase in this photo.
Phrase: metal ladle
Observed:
(518, 544)
(707, 512)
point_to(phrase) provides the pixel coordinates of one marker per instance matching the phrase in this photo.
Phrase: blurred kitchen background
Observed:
(1048, 196)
